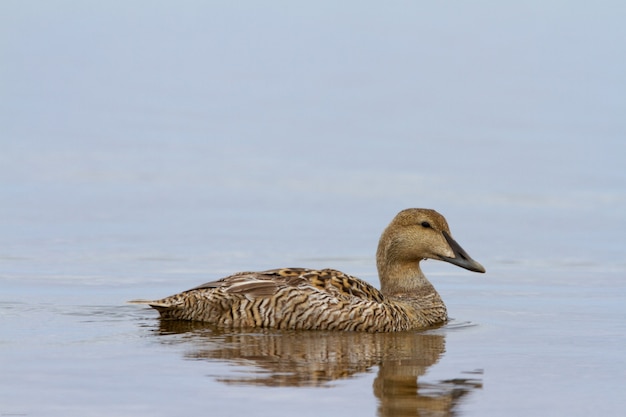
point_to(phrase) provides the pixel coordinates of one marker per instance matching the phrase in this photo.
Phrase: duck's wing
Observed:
(267, 283)
(342, 285)
(252, 283)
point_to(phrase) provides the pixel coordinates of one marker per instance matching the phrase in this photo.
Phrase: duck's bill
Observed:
(461, 258)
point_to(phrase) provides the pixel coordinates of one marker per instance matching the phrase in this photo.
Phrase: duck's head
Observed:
(416, 234)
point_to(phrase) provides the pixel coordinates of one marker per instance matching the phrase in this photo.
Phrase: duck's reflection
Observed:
(317, 358)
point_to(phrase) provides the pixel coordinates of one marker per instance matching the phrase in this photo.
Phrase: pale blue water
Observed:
(149, 147)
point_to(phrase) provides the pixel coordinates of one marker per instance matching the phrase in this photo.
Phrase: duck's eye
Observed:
(426, 225)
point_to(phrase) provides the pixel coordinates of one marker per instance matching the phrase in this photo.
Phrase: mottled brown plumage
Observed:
(307, 299)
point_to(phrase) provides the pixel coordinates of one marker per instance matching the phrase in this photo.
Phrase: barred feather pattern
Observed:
(327, 299)
(303, 299)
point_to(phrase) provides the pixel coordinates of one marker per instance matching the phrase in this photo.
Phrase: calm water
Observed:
(147, 148)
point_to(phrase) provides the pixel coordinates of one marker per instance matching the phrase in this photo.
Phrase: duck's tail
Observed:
(148, 302)
(162, 306)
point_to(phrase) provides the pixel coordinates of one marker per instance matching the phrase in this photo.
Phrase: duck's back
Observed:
(292, 298)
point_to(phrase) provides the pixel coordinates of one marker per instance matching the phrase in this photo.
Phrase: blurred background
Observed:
(149, 146)
(156, 130)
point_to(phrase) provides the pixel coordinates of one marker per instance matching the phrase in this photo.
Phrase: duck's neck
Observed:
(405, 280)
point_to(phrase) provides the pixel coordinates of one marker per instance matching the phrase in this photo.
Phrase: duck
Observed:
(328, 299)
